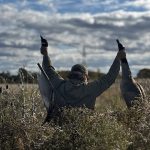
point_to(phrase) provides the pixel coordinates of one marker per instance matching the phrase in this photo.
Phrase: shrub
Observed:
(22, 113)
(85, 129)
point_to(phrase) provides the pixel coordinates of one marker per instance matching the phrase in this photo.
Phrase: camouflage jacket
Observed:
(75, 93)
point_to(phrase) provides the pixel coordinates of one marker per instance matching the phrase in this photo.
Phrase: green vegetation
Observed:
(111, 126)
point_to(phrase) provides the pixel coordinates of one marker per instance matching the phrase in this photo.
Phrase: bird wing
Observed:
(142, 92)
(45, 90)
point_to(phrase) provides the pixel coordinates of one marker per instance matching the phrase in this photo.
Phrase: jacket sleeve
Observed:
(54, 77)
(97, 87)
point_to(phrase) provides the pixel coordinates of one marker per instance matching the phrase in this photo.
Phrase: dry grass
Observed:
(110, 127)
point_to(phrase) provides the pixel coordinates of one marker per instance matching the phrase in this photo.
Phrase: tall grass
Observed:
(111, 126)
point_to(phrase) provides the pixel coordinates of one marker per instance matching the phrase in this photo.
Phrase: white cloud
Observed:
(138, 3)
(68, 32)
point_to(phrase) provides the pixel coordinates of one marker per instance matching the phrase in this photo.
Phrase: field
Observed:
(110, 127)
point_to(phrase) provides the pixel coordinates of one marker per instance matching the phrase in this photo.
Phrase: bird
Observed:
(44, 42)
(131, 90)
(47, 96)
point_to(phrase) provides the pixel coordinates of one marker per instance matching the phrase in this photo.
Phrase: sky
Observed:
(74, 27)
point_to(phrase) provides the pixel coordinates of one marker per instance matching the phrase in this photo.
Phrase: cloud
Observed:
(145, 4)
(67, 33)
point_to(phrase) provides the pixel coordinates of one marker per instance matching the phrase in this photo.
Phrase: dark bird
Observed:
(44, 42)
(131, 90)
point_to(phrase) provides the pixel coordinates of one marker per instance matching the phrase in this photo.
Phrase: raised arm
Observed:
(99, 86)
(55, 78)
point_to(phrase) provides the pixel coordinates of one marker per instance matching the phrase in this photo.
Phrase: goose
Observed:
(46, 88)
(131, 90)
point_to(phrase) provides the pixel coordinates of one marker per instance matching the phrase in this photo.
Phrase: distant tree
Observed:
(25, 76)
(5, 77)
(15, 79)
(22, 76)
(2, 79)
(64, 74)
(144, 73)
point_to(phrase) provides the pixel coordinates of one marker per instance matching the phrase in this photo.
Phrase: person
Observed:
(76, 91)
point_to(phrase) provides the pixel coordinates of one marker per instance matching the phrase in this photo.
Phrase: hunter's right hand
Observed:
(44, 50)
(44, 45)
(44, 42)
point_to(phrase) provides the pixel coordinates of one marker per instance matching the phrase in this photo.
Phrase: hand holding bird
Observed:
(44, 45)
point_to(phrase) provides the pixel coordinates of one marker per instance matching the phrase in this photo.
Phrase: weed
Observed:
(111, 126)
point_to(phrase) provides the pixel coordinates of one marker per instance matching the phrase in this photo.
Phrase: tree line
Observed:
(24, 76)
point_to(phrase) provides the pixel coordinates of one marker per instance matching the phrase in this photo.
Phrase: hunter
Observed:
(76, 91)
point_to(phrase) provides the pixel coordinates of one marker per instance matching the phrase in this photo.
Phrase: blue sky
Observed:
(70, 26)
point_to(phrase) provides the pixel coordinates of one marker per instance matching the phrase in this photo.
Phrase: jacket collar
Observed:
(77, 82)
